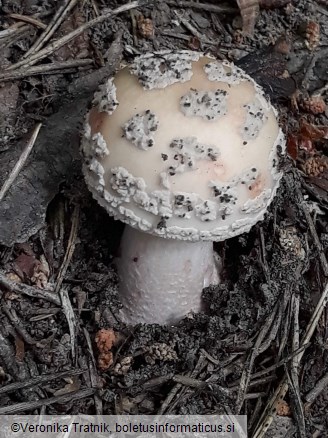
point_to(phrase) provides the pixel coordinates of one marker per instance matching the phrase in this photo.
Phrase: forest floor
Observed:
(261, 348)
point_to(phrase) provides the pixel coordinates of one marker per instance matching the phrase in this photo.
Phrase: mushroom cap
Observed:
(183, 146)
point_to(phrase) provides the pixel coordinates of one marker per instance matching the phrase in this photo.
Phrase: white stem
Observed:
(161, 280)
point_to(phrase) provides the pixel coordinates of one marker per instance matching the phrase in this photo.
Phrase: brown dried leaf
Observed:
(313, 132)
(305, 137)
(24, 265)
(292, 146)
(28, 267)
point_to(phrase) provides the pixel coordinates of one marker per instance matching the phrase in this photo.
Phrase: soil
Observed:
(62, 347)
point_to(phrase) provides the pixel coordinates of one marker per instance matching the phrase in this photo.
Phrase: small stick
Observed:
(134, 27)
(282, 389)
(30, 406)
(293, 373)
(264, 261)
(321, 253)
(27, 19)
(53, 67)
(94, 377)
(317, 390)
(37, 381)
(20, 163)
(278, 364)
(69, 250)
(66, 303)
(166, 403)
(192, 29)
(172, 34)
(204, 6)
(254, 395)
(57, 44)
(30, 291)
(11, 30)
(246, 375)
(209, 357)
(18, 324)
(189, 381)
(255, 382)
(157, 381)
(52, 26)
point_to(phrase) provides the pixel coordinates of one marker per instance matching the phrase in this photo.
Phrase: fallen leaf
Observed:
(305, 137)
(292, 146)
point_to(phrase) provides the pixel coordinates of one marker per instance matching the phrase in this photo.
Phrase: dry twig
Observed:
(52, 26)
(168, 405)
(30, 291)
(37, 381)
(268, 414)
(30, 406)
(27, 19)
(316, 391)
(55, 45)
(203, 6)
(94, 378)
(17, 27)
(66, 304)
(20, 163)
(50, 68)
(293, 376)
(192, 29)
(18, 324)
(246, 375)
(70, 248)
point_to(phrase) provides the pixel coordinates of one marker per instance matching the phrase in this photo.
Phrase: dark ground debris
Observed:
(265, 330)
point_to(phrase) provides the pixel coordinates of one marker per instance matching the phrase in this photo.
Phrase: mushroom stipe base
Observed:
(161, 279)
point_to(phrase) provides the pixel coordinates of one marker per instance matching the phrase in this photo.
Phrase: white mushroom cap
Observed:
(183, 146)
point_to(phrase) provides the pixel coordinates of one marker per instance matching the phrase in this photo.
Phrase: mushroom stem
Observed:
(161, 280)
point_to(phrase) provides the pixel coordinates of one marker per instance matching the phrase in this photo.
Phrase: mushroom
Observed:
(183, 149)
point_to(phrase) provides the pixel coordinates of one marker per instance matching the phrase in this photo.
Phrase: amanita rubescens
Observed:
(184, 149)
